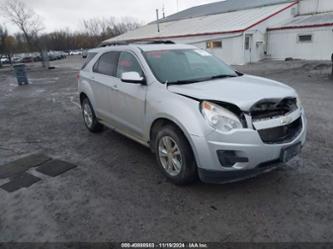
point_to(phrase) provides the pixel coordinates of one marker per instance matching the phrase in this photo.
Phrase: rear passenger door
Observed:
(103, 83)
(129, 99)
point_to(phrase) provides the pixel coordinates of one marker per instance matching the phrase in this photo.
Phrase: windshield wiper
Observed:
(184, 82)
(222, 76)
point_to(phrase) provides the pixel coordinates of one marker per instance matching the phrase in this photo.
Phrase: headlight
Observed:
(220, 118)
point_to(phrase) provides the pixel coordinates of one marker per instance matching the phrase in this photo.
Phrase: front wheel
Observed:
(89, 117)
(174, 156)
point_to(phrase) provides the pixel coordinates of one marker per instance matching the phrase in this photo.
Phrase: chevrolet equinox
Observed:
(198, 116)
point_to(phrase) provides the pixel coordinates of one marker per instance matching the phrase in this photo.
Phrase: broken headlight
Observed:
(220, 118)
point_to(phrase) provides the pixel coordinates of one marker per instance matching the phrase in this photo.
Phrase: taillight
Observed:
(78, 76)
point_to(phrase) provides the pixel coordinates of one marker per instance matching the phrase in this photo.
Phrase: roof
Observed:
(306, 21)
(221, 7)
(230, 22)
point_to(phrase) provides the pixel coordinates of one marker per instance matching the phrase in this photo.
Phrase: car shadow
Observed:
(145, 158)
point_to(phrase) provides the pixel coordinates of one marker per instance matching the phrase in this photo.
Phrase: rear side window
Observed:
(107, 64)
(90, 56)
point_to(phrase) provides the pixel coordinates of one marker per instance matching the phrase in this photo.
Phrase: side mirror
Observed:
(132, 77)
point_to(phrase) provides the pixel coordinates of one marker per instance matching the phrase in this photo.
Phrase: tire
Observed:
(175, 161)
(89, 117)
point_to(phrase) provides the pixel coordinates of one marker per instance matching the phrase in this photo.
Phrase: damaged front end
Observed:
(277, 121)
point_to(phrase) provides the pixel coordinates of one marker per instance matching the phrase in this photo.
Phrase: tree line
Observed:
(30, 37)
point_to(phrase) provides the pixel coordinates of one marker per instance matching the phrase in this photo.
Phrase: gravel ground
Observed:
(117, 193)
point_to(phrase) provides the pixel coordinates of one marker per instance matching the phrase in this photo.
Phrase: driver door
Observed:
(128, 100)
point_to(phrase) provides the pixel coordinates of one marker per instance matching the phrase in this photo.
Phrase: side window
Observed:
(107, 64)
(128, 63)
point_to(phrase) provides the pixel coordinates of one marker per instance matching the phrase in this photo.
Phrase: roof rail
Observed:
(122, 43)
(160, 42)
(106, 44)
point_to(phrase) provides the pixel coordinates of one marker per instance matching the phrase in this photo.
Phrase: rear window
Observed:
(90, 56)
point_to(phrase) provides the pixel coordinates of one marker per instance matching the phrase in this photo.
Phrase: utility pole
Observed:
(317, 8)
(157, 21)
(332, 66)
(163, 12)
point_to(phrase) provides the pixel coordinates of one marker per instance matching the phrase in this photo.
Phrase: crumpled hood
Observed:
(242, 91)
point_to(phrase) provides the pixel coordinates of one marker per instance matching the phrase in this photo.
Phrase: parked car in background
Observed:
(75, 52)
(84, 53)
(52, 56)
(63, 55)
(56, 55)
(16, 59)
(36, 56)
(4, 60)
(27, 59)
(196, 114)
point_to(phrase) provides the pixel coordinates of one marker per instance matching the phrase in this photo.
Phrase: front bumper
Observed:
(247, 143)
(219, 177)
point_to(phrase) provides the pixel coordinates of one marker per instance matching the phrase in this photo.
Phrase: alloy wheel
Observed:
(87, 114)
(170, 155)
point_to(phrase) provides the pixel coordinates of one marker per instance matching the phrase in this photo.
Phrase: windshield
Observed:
(186, 66)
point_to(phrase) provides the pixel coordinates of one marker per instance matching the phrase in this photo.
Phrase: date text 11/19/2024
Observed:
(164, 245)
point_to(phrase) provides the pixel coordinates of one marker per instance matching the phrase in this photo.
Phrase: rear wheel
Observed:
(89, 117)
(174, 156)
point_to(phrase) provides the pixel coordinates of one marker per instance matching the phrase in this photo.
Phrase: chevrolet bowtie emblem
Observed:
(286, 120)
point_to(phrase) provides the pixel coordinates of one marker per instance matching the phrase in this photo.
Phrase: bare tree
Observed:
(93, 31)
(3, 35)
(25, 19)
(126, 24)
(104, 28)
(94, 26)
(7, 44)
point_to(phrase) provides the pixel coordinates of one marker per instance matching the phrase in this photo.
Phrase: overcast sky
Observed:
(59, 14)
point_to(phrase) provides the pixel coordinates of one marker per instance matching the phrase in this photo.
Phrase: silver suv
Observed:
(199, 116)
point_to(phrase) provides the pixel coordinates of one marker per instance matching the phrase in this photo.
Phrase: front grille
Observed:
(281, 134)
(268, 109)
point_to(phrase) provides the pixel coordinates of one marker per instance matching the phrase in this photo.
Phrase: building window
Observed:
(214, 44)
(247, 42)
(304, 38)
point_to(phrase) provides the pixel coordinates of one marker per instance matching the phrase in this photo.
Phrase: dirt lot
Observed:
(117, 193)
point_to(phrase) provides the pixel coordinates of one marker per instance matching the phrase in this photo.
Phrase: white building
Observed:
(309, 35)
(238, 31)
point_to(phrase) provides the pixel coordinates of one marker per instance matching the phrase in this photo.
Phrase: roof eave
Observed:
(320, 25)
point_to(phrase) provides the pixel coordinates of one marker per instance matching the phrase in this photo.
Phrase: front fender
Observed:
(181, 110)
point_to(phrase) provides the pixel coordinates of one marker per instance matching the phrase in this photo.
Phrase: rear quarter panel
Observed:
(84, 86)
